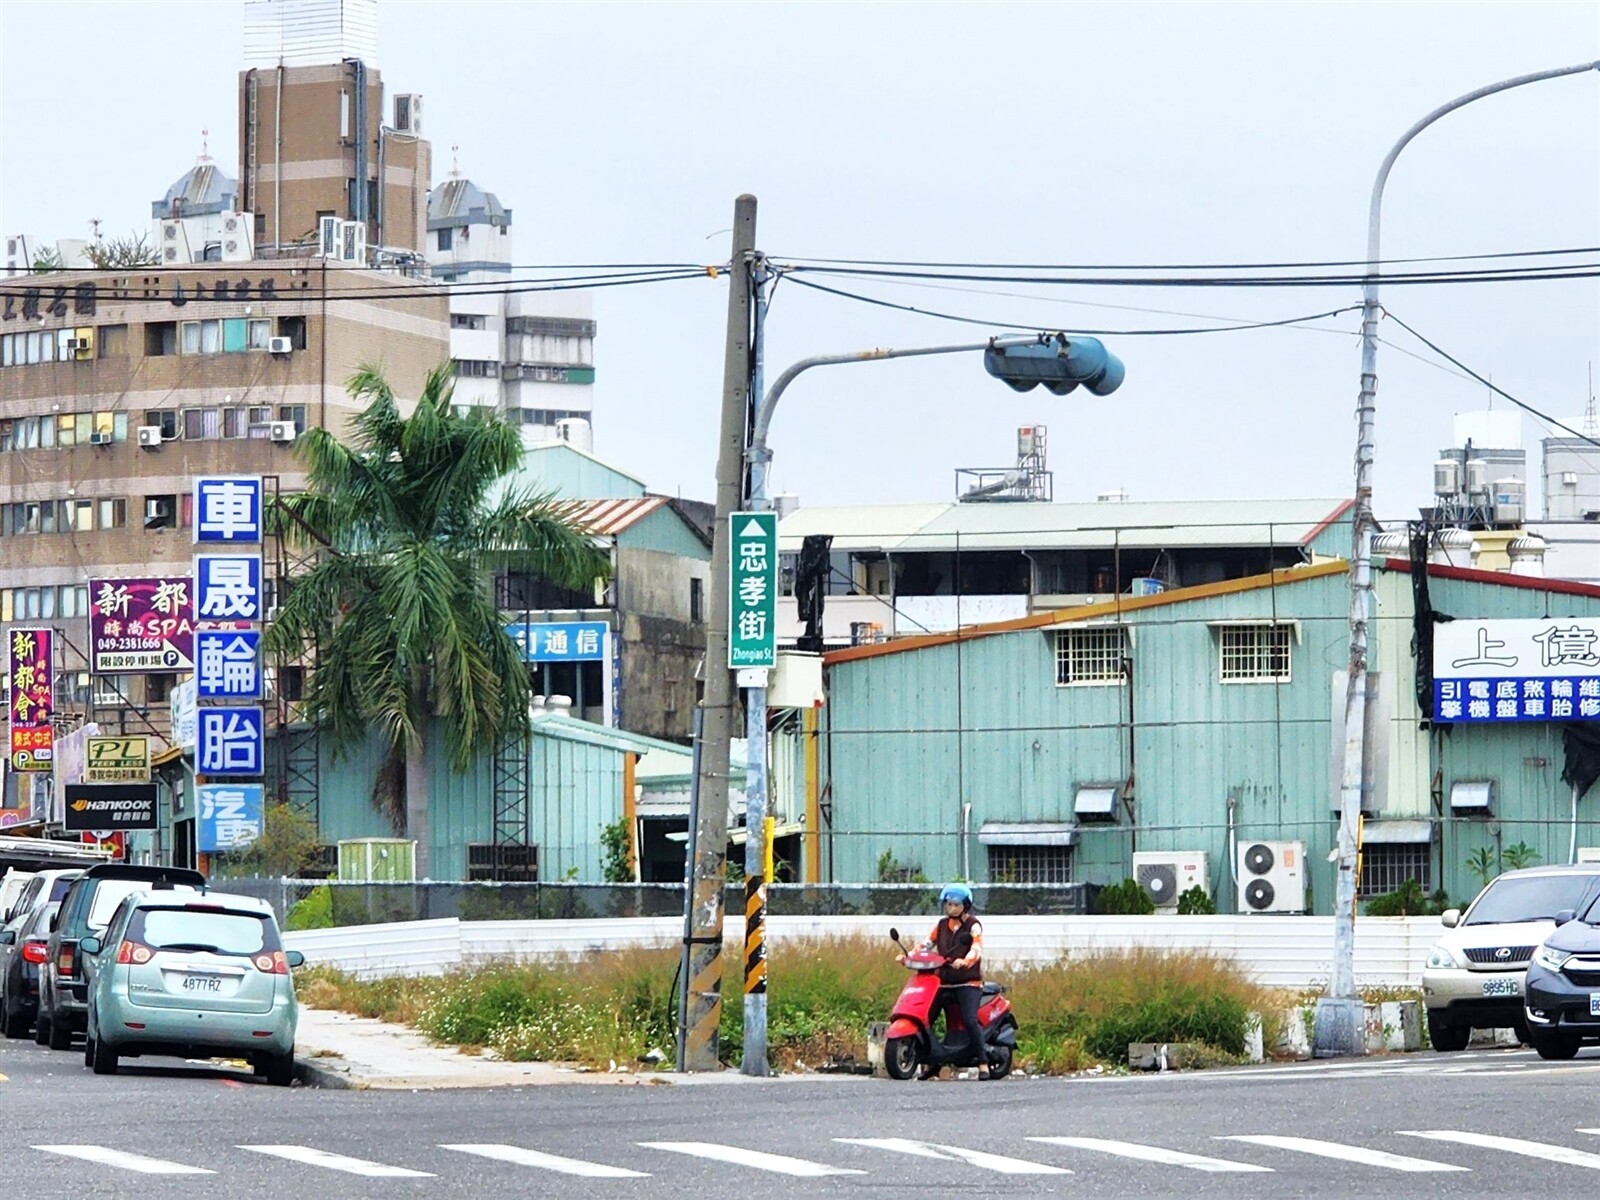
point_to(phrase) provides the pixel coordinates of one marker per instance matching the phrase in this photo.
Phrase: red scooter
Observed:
(911, 1043)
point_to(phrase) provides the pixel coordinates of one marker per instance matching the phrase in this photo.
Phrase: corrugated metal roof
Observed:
(1155, 525)
(607, 518)
(1151, 524)
(866, 527)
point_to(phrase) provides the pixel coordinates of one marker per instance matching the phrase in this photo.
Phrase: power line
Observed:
(1249, 266)
(1499, 391)
(944, 316)
(1482, 275)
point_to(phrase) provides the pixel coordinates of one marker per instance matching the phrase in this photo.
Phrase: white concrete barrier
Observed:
(1286, 952)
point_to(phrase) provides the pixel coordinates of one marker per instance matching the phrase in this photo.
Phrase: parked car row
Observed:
(146, 961)
(1525, 955)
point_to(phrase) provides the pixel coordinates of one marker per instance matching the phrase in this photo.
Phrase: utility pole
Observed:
(703, 981)
(1338, 1027)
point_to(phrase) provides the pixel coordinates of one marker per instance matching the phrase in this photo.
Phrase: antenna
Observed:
(455, 163)
(1591, 425)
(205, 146)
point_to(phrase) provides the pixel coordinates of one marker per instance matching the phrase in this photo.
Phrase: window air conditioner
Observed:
(78, 344)
(282, 431)
(280, 345)
(99, 438)
(149, 436)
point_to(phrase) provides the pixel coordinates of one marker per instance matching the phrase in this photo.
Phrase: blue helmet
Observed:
(957, 891)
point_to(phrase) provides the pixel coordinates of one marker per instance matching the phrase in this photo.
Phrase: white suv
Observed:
(1474, 975)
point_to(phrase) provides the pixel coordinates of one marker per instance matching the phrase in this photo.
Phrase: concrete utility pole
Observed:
(1340, 1028)
(703, 982)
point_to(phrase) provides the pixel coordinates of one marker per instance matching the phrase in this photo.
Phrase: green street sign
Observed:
(753, 590)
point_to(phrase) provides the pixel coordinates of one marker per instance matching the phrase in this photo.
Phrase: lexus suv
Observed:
(1474, 974)
(87, 908)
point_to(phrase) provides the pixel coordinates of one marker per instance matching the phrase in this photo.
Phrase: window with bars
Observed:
(1090, 655)
(1385, 867)
(1030, 864)
(1255, 653)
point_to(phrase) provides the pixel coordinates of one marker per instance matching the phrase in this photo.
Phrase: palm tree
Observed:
(408, 526)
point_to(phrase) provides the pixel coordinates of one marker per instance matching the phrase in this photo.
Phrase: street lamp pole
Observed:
(1339, 1027)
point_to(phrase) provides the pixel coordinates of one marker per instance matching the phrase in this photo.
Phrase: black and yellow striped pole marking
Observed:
(755, 935)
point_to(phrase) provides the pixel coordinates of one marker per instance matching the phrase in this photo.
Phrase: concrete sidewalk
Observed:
(338, 1050)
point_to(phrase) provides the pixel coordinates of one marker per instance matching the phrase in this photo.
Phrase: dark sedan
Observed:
(23, 948)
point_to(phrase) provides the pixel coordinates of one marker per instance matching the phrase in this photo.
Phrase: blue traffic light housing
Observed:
(1059, 362)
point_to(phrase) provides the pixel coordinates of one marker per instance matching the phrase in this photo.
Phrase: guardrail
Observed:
(1286, 952)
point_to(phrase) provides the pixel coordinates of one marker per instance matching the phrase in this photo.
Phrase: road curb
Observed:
(313, 1074)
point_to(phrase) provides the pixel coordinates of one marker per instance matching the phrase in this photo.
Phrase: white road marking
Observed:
(761, 1161)
(1154, 1154)
(547, 1162)
(124, 1161)
(976, 1158)
(338, 1162)
(1489, 1141)
(1355, 1154)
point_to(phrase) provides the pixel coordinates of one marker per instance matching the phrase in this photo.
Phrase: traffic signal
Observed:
(1059, 362)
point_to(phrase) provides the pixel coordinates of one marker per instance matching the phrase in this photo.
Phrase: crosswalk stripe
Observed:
(1355, 1154)
(1154, 1154)
(124, 1161)
(1545, 1150)
(548, 1162)
(339, 1162)
(976, 1158)
(760, 1160)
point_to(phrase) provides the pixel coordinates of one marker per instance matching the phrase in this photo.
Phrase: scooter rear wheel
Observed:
(900, 1057)
(1000, 1062)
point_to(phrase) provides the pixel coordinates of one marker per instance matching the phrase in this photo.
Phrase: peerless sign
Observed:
(110, 806)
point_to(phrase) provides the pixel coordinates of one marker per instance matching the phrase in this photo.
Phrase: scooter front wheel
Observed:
(900, 1057)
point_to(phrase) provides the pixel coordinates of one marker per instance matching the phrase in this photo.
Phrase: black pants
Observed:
(963, 999)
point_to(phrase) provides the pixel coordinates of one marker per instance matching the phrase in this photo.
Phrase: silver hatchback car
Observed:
(192, 975)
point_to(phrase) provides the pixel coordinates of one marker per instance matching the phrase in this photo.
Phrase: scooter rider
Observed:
(958, 938)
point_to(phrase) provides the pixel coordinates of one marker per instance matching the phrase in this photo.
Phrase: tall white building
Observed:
(529, 354)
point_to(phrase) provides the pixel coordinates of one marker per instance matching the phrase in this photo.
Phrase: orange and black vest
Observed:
(957, 943)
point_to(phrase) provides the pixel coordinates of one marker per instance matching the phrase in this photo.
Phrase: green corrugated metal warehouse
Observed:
(1200, 722)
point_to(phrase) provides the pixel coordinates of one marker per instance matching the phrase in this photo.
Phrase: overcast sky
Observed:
(1087, 133)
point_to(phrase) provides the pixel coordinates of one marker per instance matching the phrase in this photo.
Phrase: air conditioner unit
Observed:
(282, 431)
(79, 345)
(149, 435)
(174, 243)
(353, 242)
(328, 236)
(280, 345)
(19, 259)
(1164, 875)
(238, 237)
(1272, 877)
(100, 438)
(408, 114)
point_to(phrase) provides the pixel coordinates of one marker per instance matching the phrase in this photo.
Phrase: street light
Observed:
(1339, 1024)
(1061, 364)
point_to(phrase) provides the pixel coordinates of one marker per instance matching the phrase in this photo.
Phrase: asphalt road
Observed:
(162, 1128)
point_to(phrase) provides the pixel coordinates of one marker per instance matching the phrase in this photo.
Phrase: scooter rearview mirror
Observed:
(894, 934)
